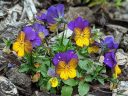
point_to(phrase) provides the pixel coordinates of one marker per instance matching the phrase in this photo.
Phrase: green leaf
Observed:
(86, 65)
(43, 70)
(70, 82)
(66, 91)
(48, 85)
(88, 78)
(83, 88)
(79, 74)
(101, 80)
(24, 68)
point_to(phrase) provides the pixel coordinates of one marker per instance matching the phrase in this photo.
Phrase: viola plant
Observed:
(66, 64)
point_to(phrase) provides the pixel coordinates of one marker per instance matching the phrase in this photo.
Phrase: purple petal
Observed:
(79, 22)
(60, 10)
(36, 42)
(51, 15)
(109, 59)
(71, 25)
(41, 16)
(57, 58)
(111, 44)
(29, 32)
(70, 54)
(51, 72)
(40, 28)
(64, 56)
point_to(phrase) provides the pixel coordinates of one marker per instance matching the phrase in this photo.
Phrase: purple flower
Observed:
(64, 56)
(35, 33)
(110, 43)
(53, 14)
(51, 72)
(109, 59)
(40, 29)
(79, 22)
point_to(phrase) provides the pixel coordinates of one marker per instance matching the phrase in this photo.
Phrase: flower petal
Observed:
(20, 53)
(60, 67)
(29, 32)
(93, 49)
(82, 41)
(86, 32)
(77, 31)
(16, 46)
(28, 46)
(64, 75)
(117, 71)
(60, 10)
(73, 63)
(54, 82)
(72, 73)
(21, 36)
(109, 59)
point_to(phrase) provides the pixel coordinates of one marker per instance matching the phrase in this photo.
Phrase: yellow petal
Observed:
(117, 71)
(21, 37)
(93, 49)
(54, 82)
(27, 46)
(20, 53)
(73, 63)
(77, 31)
(16, 46)
(72, 73)
(82, 41)
(79, 42)
(64, 75)
(60, 67)
(86, 32)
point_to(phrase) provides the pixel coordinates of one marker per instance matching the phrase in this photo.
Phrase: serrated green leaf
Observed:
(70, 82)
(83, 88)
(24, 68)
(66, 91)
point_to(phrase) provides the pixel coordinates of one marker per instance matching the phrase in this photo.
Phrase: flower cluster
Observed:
(71, 64)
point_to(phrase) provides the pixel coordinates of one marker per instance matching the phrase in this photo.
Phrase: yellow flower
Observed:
(82, 37)
(54, 82)
(66, 71)
(117, 71)
(36, 77)
(93, 49)
(21, 45)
